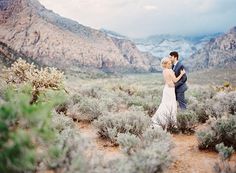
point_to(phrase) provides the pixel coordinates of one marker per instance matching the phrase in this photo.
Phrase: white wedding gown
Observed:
(167, 110)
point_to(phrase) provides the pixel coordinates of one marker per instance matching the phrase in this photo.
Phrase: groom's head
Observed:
(174, 56)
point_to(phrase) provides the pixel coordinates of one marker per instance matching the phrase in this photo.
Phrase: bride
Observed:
(167, 111)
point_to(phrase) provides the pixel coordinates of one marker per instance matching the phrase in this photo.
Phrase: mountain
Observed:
(217, 53)
(9, 56)
(29, 29)
(161, 45)
(113, 34)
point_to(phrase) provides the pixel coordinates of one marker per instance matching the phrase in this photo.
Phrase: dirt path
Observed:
(189, 159)
(88, 131)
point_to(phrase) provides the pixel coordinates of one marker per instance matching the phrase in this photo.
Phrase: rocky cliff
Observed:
(31, 30)
(218, 53)
(162, 45)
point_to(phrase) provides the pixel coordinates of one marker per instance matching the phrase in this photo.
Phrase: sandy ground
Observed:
(187, 157)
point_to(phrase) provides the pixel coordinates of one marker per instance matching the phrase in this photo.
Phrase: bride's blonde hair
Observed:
(164, 62)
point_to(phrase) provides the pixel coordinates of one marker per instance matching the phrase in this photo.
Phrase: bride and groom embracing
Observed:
(175, 85)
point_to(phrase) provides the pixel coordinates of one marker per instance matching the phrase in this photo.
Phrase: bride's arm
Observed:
(176, 79)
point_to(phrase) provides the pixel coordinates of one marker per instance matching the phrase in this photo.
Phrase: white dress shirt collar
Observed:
(176, 63)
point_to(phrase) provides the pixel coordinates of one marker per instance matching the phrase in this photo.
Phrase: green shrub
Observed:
(151, 154)
(223, 104)
(225, 154)
(221, 130)
(199, 108)
(111, 125)
(201, 113)
(202, 94)
(61, 122)
(87, 109)
(23, 126)
(92, 91)
(128, 142)
(186, 121)
(69, 151)
(66, 153)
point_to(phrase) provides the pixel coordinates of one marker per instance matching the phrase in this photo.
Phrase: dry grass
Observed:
(213, 77)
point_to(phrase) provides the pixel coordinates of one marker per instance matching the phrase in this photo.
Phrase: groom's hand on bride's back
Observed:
(182, 72)
(183, 79)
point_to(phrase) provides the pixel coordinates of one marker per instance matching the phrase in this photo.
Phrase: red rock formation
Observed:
(218, 53)
(29, 28)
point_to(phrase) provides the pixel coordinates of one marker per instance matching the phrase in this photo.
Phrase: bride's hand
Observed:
(182, 72)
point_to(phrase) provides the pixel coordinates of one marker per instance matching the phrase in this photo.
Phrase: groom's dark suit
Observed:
(180, 86)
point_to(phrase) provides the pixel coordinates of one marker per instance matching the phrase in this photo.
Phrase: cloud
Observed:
(140, 18)
(150, 7)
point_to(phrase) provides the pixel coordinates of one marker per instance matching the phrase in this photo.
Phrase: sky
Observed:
(142, 18)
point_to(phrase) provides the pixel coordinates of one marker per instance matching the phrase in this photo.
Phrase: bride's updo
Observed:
(164, 62)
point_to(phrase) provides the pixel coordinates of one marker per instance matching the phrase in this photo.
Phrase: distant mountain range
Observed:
(161, 45)
(219, 52)
(29, 29)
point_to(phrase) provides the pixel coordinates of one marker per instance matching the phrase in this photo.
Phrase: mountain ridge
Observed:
(217, 53)
(161, 45)
(30, 29)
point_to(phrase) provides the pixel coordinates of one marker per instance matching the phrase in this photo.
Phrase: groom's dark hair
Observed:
(175, 54)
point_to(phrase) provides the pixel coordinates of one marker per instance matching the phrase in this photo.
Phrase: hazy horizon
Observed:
(143, 18)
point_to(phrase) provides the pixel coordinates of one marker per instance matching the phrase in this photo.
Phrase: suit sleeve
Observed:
(182, 80)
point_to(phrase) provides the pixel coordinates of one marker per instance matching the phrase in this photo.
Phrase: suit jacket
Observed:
(180, 86)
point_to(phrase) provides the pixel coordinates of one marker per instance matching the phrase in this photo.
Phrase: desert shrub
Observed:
(226, 87)
(136, 101)
(111, 101)
(91, 103)
(225, 154)
(92, 91)
(69, 102)
(202, 94)
(136, 108)
(138, 96)
(40, 79)
(67, 153)
(129, 89)
(216, 105)
(149, 103)
(201, 113)
(198, 99)
(23, 127)
(199, 108)
(61, 122)
(111, 125)
(128, 142)
(2, 86)
(150, 108)
(186, 121)
(151, 154)
(223, 104)
(87, 109)
(222, 130)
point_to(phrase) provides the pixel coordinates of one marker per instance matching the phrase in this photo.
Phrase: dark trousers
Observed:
(181, 99)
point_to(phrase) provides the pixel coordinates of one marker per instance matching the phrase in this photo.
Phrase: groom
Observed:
(180, 86)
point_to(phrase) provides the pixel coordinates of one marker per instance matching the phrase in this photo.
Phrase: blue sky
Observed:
(142, 18)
